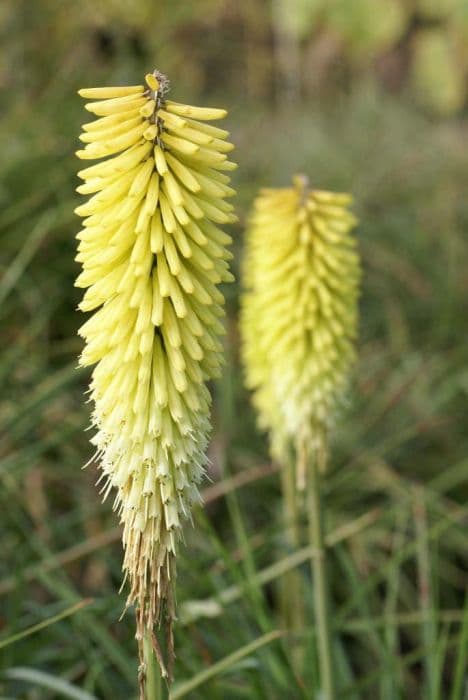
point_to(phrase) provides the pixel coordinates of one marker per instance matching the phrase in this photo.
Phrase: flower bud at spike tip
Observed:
(299, 313)
(152, 258)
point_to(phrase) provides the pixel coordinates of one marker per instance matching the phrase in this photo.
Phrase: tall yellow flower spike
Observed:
(299, 313)
(152, 256)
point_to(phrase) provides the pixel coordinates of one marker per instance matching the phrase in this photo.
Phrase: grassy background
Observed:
(397, 488)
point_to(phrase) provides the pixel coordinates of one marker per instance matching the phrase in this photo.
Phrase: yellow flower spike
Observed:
(153, 337)
(299, 313)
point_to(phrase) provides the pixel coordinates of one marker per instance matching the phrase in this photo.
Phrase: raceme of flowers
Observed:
(153, 255)
(299, 312)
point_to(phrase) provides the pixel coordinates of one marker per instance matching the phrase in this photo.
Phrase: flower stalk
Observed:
(321, 587)
(153, 255)
(151, 676)
(291, 584)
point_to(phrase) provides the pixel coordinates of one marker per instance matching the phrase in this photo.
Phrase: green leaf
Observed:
(45, 680)
(45, 623)
(223, 666)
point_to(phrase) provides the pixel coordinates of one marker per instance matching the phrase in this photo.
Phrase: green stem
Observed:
(292, 608)
(154, 685)
(319, 573)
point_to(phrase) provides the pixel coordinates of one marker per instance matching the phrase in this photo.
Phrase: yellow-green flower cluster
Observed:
(299, 311)
(153, 256)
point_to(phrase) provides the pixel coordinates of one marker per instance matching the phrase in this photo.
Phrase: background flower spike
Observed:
(299, 312)
(148, 386)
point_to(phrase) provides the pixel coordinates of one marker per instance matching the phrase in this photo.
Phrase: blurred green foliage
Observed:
(416, 45)
(435, 72)
(366, 27)
(361, 118)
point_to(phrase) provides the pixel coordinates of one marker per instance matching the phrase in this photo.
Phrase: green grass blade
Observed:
(460, 676)
(45, 623)
(221, 667)
(59, 686)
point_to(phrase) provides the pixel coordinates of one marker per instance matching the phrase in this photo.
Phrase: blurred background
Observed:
(367, 96)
